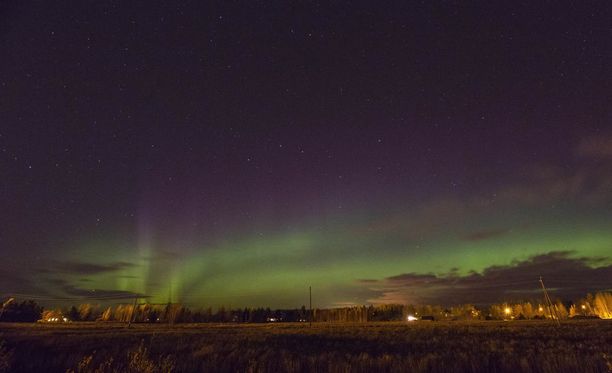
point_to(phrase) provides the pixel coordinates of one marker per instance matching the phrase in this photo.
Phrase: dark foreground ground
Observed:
(528, 346)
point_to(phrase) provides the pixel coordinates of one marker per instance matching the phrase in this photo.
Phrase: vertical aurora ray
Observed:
(145, 244)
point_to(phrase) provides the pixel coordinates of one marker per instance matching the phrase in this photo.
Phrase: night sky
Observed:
(235, 153)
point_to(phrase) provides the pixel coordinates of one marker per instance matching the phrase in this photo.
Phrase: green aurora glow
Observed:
(276, 269)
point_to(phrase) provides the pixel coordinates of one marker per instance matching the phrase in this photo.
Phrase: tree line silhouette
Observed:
(592, 306)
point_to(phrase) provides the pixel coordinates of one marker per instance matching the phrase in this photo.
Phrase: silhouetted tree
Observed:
(73, 314)
(26, 311)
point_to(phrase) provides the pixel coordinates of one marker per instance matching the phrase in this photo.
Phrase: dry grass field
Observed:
(486, 346)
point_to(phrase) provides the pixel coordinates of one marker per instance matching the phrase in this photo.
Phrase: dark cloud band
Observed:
(568, 278)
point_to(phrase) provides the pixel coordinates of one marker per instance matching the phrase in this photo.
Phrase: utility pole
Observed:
(169, 291)
(310, 294)
(549, 304)
(133, 311)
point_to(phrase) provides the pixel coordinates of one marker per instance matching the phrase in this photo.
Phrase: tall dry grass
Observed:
(6, 357)
(138, 361)
(526, 346)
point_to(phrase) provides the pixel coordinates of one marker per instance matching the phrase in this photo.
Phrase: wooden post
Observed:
(549, 304)
(133, 311)
(310, 296)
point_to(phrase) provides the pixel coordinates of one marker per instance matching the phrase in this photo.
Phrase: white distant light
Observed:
(412, 318)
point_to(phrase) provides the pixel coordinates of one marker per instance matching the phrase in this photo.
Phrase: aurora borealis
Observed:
(236, 154)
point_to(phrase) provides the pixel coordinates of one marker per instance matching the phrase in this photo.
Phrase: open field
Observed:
(530, 346)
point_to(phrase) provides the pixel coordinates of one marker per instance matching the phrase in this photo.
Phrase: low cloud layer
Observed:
(11, 283)
(600, 146)
(97, 294)
(81, 268)
(485, 234)
(566, 277)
